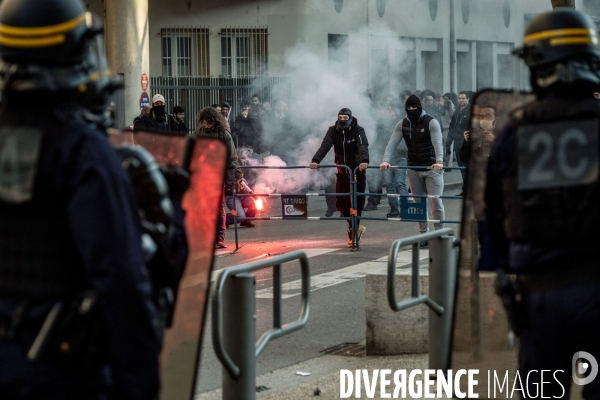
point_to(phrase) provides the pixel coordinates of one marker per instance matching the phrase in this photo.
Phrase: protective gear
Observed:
(51, 32)
(558, 35)
(418, 140)
(80, 231)
(561, 47)
(53, 269)
(19, 156)
(150, 185)
(68, 56)
(545, 301)
(555, 215)
(206, 165)
(178, 180)
(157, 218)
(487, 125)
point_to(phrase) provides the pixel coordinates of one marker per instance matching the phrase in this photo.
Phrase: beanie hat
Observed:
(413, 101)
(345, 111)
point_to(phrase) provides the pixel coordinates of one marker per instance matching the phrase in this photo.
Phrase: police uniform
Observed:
(74, 292)
(541, 194)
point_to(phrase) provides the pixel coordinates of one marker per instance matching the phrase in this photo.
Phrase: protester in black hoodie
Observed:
(351, 148)
(158, 119)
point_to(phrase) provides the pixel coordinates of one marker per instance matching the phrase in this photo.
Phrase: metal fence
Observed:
(195, 93)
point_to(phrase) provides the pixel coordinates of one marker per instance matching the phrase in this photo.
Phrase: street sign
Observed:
(413, 208)
(294, 206)
(144, 82)
(144, 100)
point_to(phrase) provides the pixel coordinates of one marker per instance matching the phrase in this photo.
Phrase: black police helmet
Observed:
(558, 35)
(54, 46)
(48, 32)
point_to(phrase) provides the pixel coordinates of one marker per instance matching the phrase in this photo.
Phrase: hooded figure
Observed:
(423, 136)
(351, 148)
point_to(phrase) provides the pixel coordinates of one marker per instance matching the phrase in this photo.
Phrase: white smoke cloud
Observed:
(325, 90)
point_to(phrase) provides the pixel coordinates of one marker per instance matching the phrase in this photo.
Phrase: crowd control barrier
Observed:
(292, 199)
(442, 282)
(234, 320)
(413, 211)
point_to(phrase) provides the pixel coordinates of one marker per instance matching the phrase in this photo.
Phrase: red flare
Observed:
(259, 204)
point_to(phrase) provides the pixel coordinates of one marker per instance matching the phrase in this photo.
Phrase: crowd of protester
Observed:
(260, 129)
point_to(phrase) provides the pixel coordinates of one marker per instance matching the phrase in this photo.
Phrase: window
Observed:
(244, 52)
(338, 52)
(185, 52)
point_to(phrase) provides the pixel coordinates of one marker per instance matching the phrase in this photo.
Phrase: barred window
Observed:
(244, 52)
(185, 52)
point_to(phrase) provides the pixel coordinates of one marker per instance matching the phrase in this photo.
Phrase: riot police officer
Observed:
(541, 195)
(76, 313)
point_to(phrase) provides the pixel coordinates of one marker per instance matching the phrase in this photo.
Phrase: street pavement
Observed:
(337, 312)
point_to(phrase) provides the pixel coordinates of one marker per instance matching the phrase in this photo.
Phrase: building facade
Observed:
(386, 45)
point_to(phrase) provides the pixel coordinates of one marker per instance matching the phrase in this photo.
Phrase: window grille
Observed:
(185, 52)
(244, 52)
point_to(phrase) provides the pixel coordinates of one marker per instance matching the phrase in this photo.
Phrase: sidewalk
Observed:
(285, 384)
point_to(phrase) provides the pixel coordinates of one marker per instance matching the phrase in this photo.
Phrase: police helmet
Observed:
(54, 45)
(558, 35)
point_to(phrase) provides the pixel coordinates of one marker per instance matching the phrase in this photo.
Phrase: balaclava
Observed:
(413, 115)
(345, 124)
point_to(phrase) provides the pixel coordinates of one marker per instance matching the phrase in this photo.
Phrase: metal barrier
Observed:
(235, 195)
(353, 200)
(356, 194)
(195, 92)
(234, 334)
(442, 281)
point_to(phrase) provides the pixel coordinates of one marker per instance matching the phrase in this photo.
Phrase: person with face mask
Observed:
(158, 119)
(487, 122)
(423, 136)
(351, 148)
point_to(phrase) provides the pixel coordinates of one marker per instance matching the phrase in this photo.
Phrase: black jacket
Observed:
(350, 146)
(248, 133)
(150, 122)
(179, 127)
(460, 123)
